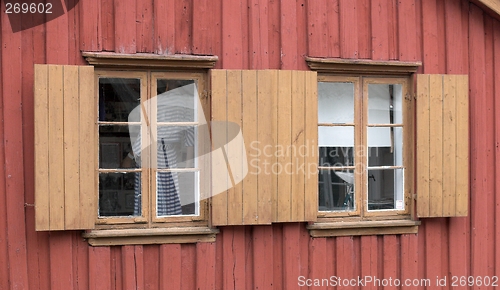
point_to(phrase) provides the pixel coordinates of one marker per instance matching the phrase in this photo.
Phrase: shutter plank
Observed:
(423, 131)
(266, 122)
(436, 145)
(41, 104)
(449, 145)
(284, 127)
(311, 142)
(297, 142)
(249, 129)
(56, 147)
(234, 150)
(88, 150)
(71, 147)
(462, 148)
(219, 176)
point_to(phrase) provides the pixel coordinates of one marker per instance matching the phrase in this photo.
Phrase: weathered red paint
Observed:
(451, 36)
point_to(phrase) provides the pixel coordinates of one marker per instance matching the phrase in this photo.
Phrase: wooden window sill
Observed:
(172, 235)
(359, 228)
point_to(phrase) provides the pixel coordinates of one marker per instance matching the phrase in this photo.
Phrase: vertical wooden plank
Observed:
(219, 136)
(129, 275)
(125, 26)
(71, 143)
(258, 34)
(90, 20)
(61, 266)
(205, 266)
(317, 28)
(496, 65)
(274, 34)
(297, 142)
(144, 26)
(369, 258)
(139, 266)
(205, 27)
(423, 154)
(365, 27)
(345, 253)
(81, 263)
(454, 35)
(449, 145)
(250, 120)
(233, 240)
(436, 145)
(301, 24)
(318, 260)
(380, 29)
(284, 140)
(291, 254)
(289, 46)
(42, 200)
(234, 151)
(430, 37)
(99, 268)
(151, 254)
(232, 45)
(393, 29)
(56, 161)
(107, 16)
(391, 258)
(333, 21)
(348, 29)
(311, 142)
(170, 266)
(266, 135)
(164, 26)
(462, 157)
(407, 36)
(409, 257)
(263, 250)
(183, 26)
(87, 131)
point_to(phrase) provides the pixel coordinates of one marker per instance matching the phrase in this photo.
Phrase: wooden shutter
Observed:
(277, 114)
(442, 145)
(65, 154)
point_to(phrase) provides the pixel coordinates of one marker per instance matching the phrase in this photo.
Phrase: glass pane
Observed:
(117, 98)
(335, 102)
(119, 194)
(115, 145)
(386, 189)
(336, 156)
(336, 136)
(385, 146)
(176, 146)
(336, 190)
(177, 193)
(176, 100)
(385, 104)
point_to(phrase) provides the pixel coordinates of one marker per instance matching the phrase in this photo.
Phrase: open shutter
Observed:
(65, 152)
(442, 145)
(271, 176)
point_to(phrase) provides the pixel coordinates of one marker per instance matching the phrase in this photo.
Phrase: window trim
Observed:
(162, 230)
(371, 222)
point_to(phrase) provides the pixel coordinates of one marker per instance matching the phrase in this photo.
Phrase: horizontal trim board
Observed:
(177, 61)
(361, 66)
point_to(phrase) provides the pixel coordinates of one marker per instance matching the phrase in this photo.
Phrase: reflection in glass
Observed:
(117, 98)
(336, 136)
(116, 193)
(176, 146)
(336, 156)
(176, 100)
(385, 104)
(114, 146)
(386, 189)
(336, 190)
(383, 152)
(177, 193)
(335, 102)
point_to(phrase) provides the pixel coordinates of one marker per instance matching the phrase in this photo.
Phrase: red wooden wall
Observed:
(448, 36)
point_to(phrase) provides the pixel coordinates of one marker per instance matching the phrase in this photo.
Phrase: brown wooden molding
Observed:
(150, 236)
(147, 60)
(361, 66)
(359, 228)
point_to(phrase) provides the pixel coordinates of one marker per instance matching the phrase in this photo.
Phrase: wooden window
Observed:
(115, 158)
(384, 150)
